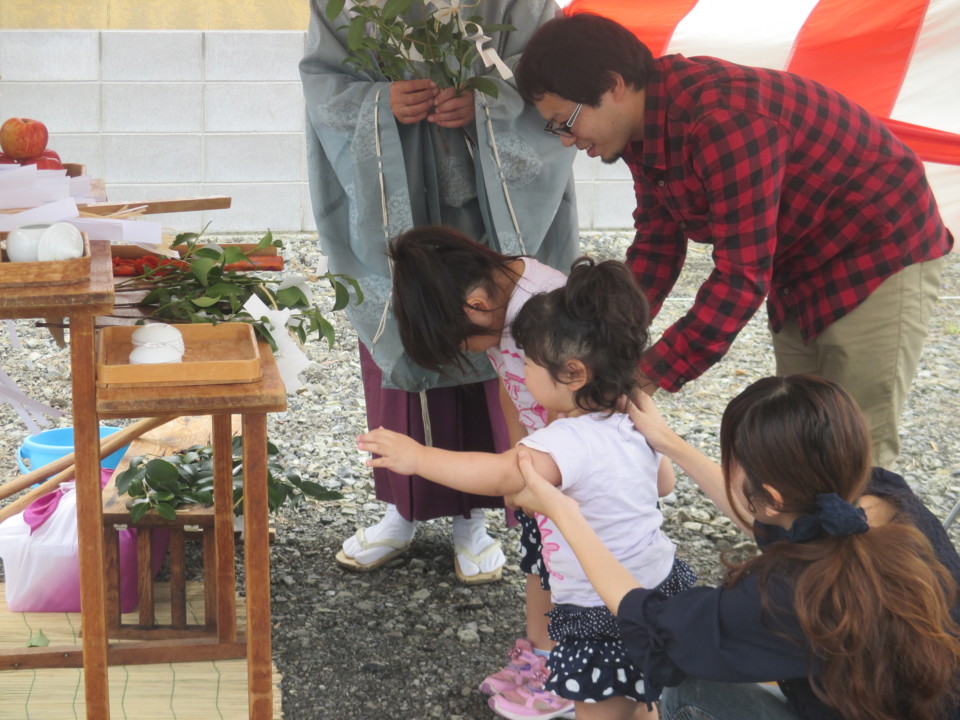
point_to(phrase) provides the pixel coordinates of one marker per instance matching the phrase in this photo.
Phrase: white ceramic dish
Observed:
(60, 241)
(158, 334)
(152, 354)
(23, 242)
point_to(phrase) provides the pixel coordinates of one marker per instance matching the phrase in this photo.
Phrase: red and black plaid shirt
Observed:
(807, 199)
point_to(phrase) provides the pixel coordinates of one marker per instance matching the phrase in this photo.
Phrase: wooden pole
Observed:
(108, 445)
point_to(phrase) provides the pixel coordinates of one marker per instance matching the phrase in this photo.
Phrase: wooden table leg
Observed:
(89, 519)
(256, 553)
(223, 529)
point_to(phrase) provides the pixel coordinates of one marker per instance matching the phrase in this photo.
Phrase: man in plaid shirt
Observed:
(808, 200)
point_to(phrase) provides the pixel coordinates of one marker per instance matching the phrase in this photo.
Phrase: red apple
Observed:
(23, 138)
(43, 162)
(50, 153)
(6, 159)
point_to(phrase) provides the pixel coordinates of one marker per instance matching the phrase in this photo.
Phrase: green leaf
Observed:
(211, 251)
(484, 85)
(393, 8)
(267, 240)
(355, 34)
(276, 494)
(138, 510)
(358, 291)
(292, 297)
(439, 76)
(205, 301)
(233, 254)
(166, 511)
(326, 331)
(334, 8)
(185, 238)
(162, 471)
(153, 297)
(318, 492)
(124, 479)
(342, 296)
(38, 639)
(201, 267)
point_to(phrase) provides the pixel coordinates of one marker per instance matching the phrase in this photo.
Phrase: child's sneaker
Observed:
(525, 703)
(525, 668)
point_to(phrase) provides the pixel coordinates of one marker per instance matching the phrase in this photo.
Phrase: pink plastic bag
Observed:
(42, 567)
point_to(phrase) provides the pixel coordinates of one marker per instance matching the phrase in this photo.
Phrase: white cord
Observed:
(381, 327)
(503, 182)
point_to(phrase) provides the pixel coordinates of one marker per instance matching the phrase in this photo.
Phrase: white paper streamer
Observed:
(30, 411)
(290, 358)
(489, 55)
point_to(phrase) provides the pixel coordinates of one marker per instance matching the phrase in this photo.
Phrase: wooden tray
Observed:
(49, 272)
(214, 355)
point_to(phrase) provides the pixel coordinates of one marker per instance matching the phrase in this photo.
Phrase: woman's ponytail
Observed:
(875, 608)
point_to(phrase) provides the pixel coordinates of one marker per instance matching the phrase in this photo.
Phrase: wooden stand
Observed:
(115, 515)
(252, 400)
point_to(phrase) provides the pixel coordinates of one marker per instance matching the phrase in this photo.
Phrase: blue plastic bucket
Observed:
(47, 446)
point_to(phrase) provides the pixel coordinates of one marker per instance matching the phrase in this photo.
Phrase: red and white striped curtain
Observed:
(900, 59)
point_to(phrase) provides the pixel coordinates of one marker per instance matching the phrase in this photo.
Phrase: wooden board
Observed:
(214, 355)
(152, 207)
(48, 272)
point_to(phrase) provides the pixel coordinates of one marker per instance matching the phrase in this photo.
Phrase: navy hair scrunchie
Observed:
(834, 516)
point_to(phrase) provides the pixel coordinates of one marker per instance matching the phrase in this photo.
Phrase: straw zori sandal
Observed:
(399, 548)
(480, 577)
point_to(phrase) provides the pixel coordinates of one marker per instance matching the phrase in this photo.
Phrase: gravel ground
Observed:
(409, 641)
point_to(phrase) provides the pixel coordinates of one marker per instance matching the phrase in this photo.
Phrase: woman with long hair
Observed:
(851, 605)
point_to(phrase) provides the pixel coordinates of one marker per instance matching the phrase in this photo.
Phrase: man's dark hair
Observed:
(575, 58)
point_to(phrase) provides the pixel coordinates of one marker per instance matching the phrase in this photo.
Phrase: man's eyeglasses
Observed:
(564, 128)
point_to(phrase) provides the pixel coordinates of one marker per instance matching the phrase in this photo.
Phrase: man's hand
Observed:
(452, 110)
(646, 384)
(397, 452)
(412, 100)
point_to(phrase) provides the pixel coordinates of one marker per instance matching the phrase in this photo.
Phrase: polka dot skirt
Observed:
(590, 663)
(531, 549)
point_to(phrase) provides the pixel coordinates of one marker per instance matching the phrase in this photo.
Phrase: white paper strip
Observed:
(17, 176)
(15, 199)
(49, 213)
(120, 231)
(290, 358)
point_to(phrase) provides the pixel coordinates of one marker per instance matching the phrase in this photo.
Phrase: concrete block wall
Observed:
(183, 113)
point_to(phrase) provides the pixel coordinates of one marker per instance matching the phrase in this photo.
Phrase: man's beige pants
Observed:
(871, 352)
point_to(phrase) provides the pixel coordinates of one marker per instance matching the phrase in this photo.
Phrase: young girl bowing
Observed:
(581, 343)
(850, 607)
(472, 294)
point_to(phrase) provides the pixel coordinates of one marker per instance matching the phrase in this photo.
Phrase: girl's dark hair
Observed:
(874, 607)
(575, 57)
(433, 270)
(599, 317)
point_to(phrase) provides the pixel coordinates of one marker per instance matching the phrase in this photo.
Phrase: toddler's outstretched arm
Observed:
(472, 472)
